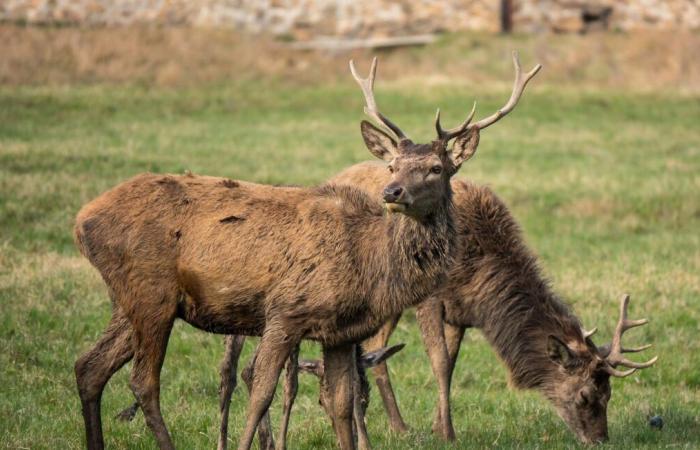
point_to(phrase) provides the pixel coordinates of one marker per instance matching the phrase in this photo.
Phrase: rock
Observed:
(656, 422)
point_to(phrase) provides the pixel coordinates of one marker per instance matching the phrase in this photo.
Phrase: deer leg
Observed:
(338, 380)
(291, 385)
(429, 315)
(274, 349)
(151, 341)
(453, 341)
(381, 375)
(264, 427)
(94, 369)
(360, 404)
(228, 369)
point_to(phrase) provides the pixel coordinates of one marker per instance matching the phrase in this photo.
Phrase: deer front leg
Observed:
(291, 385)
(381, 375)
(274, 349)
(429, 315)
(229, 366)
(338, 380)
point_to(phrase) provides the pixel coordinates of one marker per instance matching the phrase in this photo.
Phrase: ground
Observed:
(603, 178)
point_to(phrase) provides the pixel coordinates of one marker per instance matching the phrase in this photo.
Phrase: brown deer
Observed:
(282, 263)
(496, 285)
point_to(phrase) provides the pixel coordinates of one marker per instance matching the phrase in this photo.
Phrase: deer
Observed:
(497, 286)
(240, 258)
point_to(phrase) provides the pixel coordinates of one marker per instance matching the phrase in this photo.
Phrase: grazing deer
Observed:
(496, 285)
(282, 263)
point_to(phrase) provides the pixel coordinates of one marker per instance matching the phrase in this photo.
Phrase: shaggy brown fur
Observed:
(282, 263)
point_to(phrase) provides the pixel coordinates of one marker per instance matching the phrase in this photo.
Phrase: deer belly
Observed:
(221, 308)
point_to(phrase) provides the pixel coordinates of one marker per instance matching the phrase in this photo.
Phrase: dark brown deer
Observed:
(282, 263)
(496, 285)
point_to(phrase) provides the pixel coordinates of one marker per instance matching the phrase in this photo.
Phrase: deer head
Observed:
(421, 172)
(580, 389)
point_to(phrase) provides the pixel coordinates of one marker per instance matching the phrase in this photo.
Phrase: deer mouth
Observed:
(396, 207)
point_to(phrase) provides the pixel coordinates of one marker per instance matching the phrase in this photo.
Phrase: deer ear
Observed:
(464, 147)
(376, 357)
(378, 142)
(559, 352)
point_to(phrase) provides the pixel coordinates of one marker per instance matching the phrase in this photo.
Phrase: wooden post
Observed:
(506, 16)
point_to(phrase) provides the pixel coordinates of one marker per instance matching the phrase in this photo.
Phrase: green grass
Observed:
(605, 184)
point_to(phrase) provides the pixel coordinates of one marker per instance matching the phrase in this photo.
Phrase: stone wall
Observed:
(306, 19)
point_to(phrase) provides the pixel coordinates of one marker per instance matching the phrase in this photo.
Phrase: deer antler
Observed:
(613, 351)
(367, 86)
(519, 84)
(446, 135)
(589, 333)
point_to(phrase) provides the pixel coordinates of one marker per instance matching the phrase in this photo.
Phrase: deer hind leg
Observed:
(94, 369)
(381, 376)
(291, 386)
(150, 342)
(338, 381)
(229, 366)
(453, 340)
(274, 349)
(264, 427)
(429, 315)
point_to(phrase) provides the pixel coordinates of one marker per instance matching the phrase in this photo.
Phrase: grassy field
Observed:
(605, 183)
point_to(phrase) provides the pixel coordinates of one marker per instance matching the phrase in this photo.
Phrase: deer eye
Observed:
(391, 169)
(584, 397)
(436, 170)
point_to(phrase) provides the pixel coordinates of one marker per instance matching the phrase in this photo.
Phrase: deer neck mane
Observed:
(519, 330)
(411, 257)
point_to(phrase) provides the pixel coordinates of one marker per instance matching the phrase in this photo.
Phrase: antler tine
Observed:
(613, 351)
(367, 86)
(589, 333)
(446, 135)
(518, 88)
(619, 373)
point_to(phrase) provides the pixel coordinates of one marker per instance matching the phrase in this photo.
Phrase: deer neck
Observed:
(520, 314)
(414, 260)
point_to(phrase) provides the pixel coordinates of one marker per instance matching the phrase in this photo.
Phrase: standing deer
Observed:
(282, 263)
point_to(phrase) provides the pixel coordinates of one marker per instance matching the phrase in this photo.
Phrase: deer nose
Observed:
(392, 193)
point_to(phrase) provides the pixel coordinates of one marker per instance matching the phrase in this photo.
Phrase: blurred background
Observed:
(600, 164)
